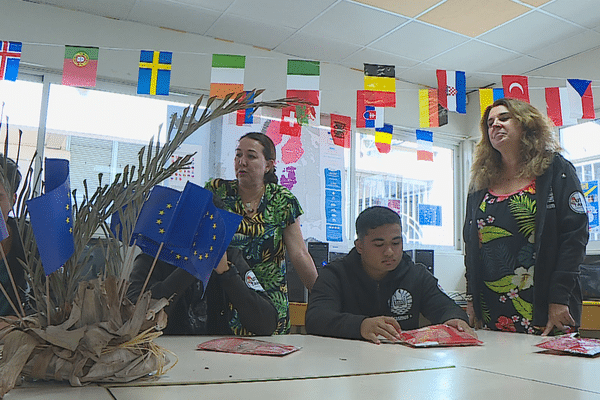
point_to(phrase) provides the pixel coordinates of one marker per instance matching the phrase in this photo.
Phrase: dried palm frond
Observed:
(84, 331)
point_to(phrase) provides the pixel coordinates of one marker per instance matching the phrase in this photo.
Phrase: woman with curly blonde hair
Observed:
(526, 225)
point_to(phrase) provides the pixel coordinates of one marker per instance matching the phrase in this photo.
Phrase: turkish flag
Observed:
(516, 87)
(289, 123)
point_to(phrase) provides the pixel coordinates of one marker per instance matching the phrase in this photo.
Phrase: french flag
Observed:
(424, 145)
(452, 90)
(581, 100)
(557, 106)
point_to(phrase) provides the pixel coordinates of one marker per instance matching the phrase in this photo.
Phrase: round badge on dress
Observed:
(577, 203)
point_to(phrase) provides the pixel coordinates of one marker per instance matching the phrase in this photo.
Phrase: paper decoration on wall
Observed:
(452, 90)
(430, 215)
(227, 74)
(367, 116)
(590, 191)
(246, 116)
(383, 138)
(155, 72)
(380, 81)
(80, 66)
(10, 56)
(557, 106)
(431, 112)
(581, 100)
(424, 145)
(303, 82)
(340, 130)
(289, 122)
(488, 96)
(516, 87)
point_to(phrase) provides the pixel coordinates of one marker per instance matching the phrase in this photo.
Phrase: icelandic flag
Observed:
(424, 145)
(557, 106)
(452, 90)
(581, 100)
(10, 56)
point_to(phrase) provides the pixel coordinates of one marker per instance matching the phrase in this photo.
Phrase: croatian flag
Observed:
(581, 100)
(557, 106)
(10, 56)
(452, 90)
(424, 145)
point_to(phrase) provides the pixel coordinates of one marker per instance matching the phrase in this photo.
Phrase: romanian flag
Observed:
(303, 81)
(80, 66)
(452, 90)
(581, 100)
(340, 130)
(10, 56)
(380, 80)
(155, 72)
(227, 75)
(383, 138)
(431, 112)
(488, 96)
(424, 145)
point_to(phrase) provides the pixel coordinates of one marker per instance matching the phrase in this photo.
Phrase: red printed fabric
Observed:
(247, 346)
(438, 335)
(570, 345)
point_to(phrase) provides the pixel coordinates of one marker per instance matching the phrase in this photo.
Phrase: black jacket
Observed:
(344, 295)
(14, 255)
(561, 234)
(225, 294)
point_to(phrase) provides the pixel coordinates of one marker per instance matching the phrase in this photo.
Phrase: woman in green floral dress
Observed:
(526, 226)
(270, 225)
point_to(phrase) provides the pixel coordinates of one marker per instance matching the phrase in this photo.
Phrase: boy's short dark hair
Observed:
(10, 177)
(374, 217)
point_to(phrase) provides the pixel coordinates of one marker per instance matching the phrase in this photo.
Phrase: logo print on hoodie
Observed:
(401, 302)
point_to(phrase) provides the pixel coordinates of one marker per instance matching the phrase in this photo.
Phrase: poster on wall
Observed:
(191, 173)
(590, 192)
(332, 189)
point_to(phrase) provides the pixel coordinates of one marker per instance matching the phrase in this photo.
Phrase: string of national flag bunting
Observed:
(564, 105)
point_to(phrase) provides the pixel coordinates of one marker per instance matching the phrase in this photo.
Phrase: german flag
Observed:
(431, 112)
(380, 81)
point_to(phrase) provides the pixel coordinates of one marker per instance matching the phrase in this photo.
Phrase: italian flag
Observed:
(303, 82)
(227, 75)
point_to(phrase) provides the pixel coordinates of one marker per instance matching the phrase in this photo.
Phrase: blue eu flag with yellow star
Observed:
(194, 233)
(52, 217)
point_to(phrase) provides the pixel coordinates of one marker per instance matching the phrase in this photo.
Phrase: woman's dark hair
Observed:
(268, 152)
(374, 217)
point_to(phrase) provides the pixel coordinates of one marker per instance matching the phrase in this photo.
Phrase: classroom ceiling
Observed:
(483, 38)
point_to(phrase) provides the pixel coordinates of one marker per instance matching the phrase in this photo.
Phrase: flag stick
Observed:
(150, 272)
(12, 280)
(10, 302)
(48, 298)
(126, 267)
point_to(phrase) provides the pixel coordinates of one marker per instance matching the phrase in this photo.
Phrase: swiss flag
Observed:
(516, 87)
(289, 123)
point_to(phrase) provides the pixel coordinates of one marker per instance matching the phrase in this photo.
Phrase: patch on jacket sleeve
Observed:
(577, 203)
(252, 281)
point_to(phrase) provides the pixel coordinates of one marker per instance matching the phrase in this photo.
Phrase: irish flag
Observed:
(227, 75)
(80, 66)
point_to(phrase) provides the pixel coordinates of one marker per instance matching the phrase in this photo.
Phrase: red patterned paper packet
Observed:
(567, 344)
(247, 346)
(438, 335)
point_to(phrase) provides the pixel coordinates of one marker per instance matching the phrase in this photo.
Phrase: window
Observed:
(582, 148)
(422, 192)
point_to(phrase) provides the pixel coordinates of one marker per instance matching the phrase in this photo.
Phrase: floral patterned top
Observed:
(261, 240)
(506, 225)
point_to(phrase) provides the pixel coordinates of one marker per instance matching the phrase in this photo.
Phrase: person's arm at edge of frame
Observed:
(298, 254)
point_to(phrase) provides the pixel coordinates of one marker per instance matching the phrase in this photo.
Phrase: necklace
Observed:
(249, 205)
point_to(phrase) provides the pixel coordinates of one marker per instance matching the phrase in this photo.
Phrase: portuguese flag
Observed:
(80, 65)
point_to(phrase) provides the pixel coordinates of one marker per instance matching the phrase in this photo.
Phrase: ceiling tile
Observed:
(288, 13)
(473, 17)
(118, 9)
(536, 3)
(511, 35)
(418, 41)
(371, 56)
(517, 66)
(353, 23)
(565, 9)
(472, 56)
(241, 30)
(422, 74)
(407, 8)
(175, 16)
(220, 5)
(568, 47)
(316, 48)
